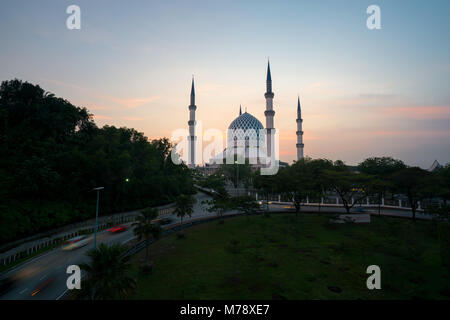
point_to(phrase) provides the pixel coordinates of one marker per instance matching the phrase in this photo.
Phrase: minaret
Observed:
(191, 123)
(300, 144)
(269, 113)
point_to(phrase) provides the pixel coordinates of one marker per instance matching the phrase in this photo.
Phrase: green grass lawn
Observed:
(282, 256)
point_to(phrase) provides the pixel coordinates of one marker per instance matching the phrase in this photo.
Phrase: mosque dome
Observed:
(245, 127)
(246, 121)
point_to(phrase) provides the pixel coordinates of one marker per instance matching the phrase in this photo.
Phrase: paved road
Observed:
(47, 273)
(44, 277)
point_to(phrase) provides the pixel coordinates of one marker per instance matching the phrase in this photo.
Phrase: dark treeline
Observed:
(315, 179)
(52, 155)
(377, 177)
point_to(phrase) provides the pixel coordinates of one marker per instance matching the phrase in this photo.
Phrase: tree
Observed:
(351, 187)
(184, 206)
(245, 204)
(214, 181)
(443, 181)
(106, 274)
(237, 173)
(266, 184)
(49, 146)
(382, 169)
(378, 187)
(145, 228)
(297, 181)
(415, 183)
(220, 202)
(320, 184)
(381, 166)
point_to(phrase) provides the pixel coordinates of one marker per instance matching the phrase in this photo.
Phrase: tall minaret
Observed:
(300, 144)
(191, 122)
(269, 113)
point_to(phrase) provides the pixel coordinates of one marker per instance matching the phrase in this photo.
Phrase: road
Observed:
(44, 277)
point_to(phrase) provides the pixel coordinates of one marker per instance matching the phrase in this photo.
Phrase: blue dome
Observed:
(246, 121)
(245, 128)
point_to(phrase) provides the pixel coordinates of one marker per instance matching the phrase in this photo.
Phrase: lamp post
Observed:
(96, 215)
(237, 176)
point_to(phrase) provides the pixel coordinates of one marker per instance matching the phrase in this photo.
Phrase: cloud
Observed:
(95, 107)
(365, 99)
(377, 96)
(132, 103)
(420, 112)
(134, 118)
(410, 133)
(101, 117)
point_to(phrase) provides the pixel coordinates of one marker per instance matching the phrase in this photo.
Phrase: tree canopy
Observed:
(53, 154)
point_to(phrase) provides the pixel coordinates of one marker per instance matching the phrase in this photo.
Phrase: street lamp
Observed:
(237, 176)
(96, 215)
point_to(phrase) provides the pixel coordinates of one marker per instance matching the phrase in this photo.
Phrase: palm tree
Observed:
(107, 277)
(144, 228)
(184, 206)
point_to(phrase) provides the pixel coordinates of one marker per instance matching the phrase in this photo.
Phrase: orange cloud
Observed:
(101, 117)
(134, 118)
(134, 102)
(97, 107)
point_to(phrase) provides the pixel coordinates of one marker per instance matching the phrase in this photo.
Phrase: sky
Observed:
(363, 92)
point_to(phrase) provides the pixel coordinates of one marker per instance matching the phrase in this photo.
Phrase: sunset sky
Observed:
(363, 92)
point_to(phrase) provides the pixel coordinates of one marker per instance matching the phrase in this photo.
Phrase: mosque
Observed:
(247, 140)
